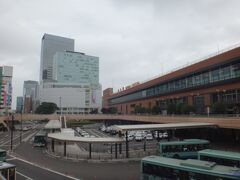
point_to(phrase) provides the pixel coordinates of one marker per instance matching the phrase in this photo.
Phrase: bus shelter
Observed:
(90, 140)
(157, 127)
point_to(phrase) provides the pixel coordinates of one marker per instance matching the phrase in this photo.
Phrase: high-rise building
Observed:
(50, 45)
(30, 96)
(75, 67)
(19, 104)
(69, 79)
(6, 89)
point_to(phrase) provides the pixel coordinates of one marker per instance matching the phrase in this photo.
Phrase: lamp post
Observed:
(21, 124)
(60, 104)
(12, 131)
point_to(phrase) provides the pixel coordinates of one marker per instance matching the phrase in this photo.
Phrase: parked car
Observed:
(149, 137)
(165, 135)
(139, 137)
(130, 137)
(156, 135)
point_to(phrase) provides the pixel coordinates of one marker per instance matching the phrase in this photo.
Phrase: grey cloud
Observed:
(134, 39)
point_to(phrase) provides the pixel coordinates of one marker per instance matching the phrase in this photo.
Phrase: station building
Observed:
(214, 79)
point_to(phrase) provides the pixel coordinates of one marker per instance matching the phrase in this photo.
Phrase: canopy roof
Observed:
(66, 137)
(163, 126)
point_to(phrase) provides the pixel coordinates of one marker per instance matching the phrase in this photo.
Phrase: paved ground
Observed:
(81, 170)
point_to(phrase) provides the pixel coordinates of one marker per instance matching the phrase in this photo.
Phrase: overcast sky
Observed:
(134, 39)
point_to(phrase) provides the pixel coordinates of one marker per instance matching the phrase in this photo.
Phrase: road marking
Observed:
(21, 174)
(28, 137)
(14, 138)
(44, 168)
(10, 159)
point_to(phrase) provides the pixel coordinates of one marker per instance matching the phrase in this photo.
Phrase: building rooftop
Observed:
(195, 165)
(219, 153)
(66, 137)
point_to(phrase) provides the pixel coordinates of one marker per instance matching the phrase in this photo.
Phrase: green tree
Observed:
(179, 108)
(171, 109)
(219, 108)
(187, 109)
(46, 108)
(112, 110)
(137, 109)
(156, 110)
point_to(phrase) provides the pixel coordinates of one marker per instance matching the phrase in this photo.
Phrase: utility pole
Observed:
(12, 131)
(21, 124)
(60, 104)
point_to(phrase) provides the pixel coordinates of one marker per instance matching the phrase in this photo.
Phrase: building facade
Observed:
(50, 45)
(72, 98)
(30, 96)
(19, 105)
(75, 67)
(6, 89)
(74, 84)
(213, 80)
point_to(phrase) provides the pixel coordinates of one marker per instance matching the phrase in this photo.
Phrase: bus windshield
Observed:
(40, 139)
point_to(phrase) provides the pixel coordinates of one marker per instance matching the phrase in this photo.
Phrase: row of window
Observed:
(207, 77)
(211, 76)
(183, 148)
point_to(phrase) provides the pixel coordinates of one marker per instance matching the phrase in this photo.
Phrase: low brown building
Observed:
(200, 85)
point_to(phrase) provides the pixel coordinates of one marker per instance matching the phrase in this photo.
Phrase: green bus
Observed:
(185, 149)
(7, 171)
(226, 158)
(162, 168)
(40, 139)
(3, 154)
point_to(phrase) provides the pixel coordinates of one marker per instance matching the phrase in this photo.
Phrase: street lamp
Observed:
(12, 131)
(21, 123)
(60, 104)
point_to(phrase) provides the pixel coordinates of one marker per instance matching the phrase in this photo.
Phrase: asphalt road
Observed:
(79, 170)
(28, 171)
(33, 164)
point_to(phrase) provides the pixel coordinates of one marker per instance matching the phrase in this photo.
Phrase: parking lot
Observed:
(140, 143)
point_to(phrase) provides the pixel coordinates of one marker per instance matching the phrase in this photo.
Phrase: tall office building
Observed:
(76, 87)
(6, 89)
(50, 45)
(75, 67)
(19, 104)
(30, 96)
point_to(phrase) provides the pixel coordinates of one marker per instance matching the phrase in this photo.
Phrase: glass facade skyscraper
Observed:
(50, 45)
(69, 79)
(74, 67)
(30, 96)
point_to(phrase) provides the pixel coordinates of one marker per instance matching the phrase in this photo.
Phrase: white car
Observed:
(139, 137)
(156, 135)
(165, 135)
(149, 137)
(130, 137)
